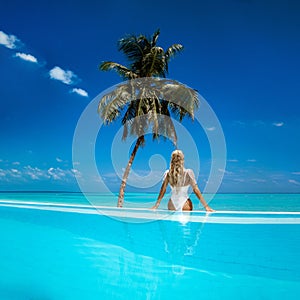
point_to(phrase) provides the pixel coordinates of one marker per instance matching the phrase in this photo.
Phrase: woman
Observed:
(180, 179)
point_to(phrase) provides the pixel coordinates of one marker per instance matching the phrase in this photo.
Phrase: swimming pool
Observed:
(63, 251)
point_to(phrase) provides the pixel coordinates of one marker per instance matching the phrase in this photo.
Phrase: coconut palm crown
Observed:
(146, 100)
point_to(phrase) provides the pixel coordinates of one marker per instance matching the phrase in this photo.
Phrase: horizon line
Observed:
(80, 192)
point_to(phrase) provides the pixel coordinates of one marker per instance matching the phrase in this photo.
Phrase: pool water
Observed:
(77, 252)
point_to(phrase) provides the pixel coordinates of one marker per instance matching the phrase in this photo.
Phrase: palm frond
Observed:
(153, 63)
(144, 43)
(112, 103)
(130, 112)
(169, 131)
(173, 50)
(139, 126)
(183, 101)
(168, 123)
(120, 69)
(133, 47)
(155, 108)
(155, 37)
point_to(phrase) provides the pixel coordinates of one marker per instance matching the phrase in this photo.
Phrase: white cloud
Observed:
(2, 173)
(110, 175)
(15, 173)
(239, 180)
(258, 180)
(55, 173)
(251, 160)
(296, 173)
(60, 174)
(278, 176)
(16, 163)
(210, 128)
(257, 123)
(97, 179)
(27, 57)
(58, 159)
(145, 178)
(225, 172)
(80, 92)
(35, 173)
(238, 123)
(76, 173)
(137, 178)
(275, 182)
(278, 124)
(67, 77)
(9, 41)
(232, 160)
(28, 173)
(294, 181)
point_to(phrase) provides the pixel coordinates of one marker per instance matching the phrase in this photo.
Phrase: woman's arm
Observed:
(202, 200)
(196, 190)
(162, 192)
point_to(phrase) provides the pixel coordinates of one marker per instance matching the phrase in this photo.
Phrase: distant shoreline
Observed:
(72, 192)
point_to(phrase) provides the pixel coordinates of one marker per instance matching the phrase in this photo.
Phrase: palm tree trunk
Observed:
(138, 143)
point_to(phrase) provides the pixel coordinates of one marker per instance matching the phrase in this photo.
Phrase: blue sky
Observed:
(242, 56)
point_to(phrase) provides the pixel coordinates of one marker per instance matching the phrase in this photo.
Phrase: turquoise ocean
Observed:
(230, 202)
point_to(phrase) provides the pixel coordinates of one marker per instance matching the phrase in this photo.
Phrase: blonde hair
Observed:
(176, 167)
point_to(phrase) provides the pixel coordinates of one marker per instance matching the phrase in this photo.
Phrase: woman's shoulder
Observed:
(189, 171)
(191, 177)
(166, 174)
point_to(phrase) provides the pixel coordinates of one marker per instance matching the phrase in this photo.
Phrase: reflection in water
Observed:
(181, 240)
(155, 259)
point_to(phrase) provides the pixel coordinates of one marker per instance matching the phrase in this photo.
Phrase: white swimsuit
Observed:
(179, 193)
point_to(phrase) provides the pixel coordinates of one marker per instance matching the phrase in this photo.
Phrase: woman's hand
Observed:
(209, 209)
(155, 206)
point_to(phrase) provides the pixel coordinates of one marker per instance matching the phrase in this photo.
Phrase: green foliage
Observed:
(146, 100)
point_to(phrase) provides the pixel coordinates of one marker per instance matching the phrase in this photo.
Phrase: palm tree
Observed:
(145, 101)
